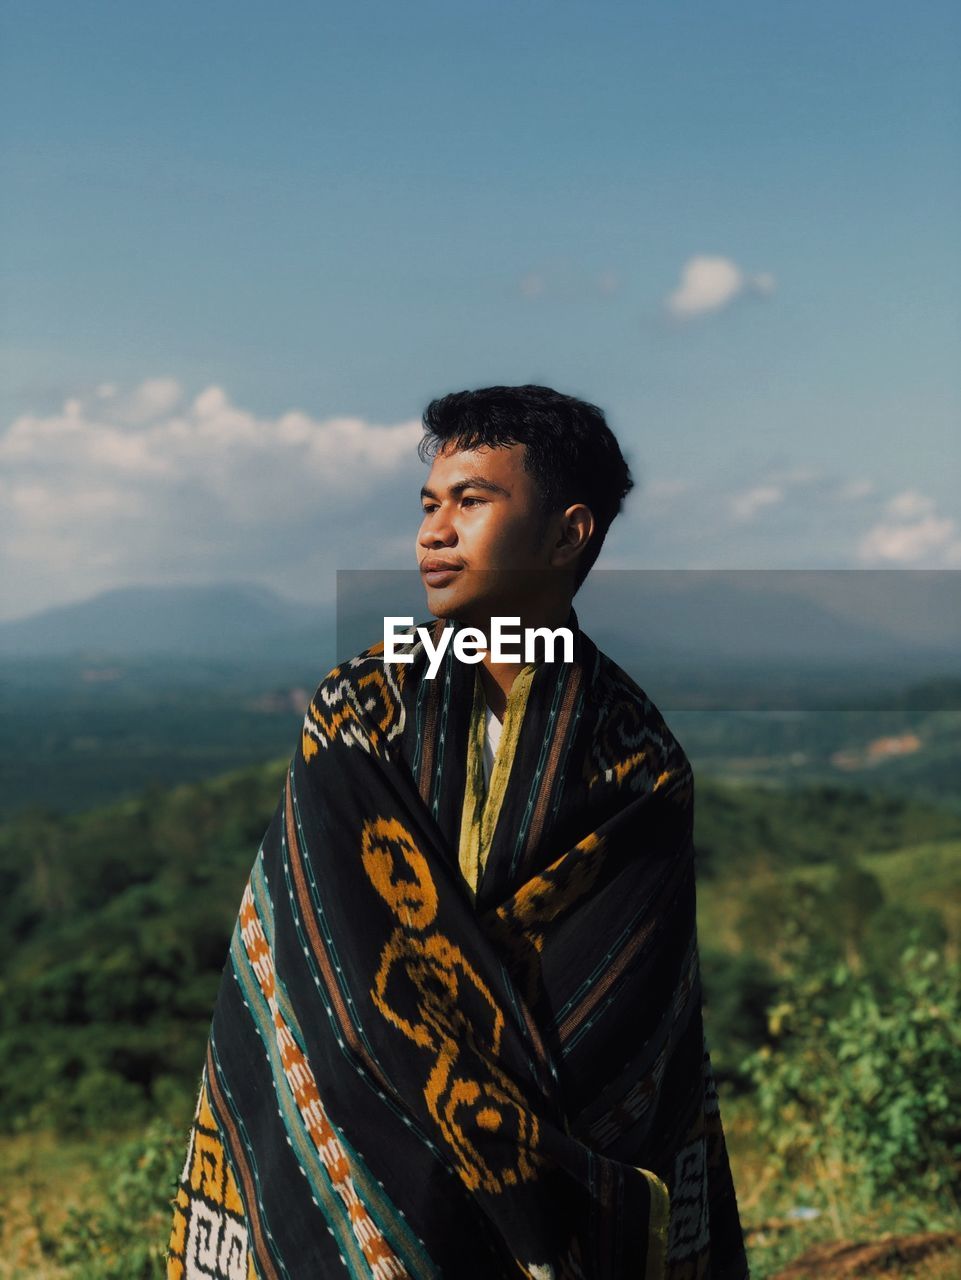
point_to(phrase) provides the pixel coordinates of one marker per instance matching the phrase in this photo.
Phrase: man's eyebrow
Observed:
(469, 482)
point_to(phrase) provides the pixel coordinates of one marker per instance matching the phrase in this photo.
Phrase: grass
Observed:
(46, 1175)
(43, 1175)
(924, 875)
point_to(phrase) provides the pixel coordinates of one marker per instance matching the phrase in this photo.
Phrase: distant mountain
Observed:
(747, 616)
(702, 618)
(229, 620)
(738, 616)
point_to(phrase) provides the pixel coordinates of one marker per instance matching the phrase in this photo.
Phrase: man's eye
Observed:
(473, 499)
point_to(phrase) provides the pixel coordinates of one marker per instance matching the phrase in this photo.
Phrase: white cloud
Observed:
(909, 505)
(101, 493)
(854, 490)
(787, 517)
(131, 487)
(908, 531)
(930, 541)
(782, 517)
(213, 433)
(150, 400)
(746, 505)
(710, 283)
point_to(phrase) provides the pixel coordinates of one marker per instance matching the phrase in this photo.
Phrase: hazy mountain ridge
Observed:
(229, 620)
(722, 617)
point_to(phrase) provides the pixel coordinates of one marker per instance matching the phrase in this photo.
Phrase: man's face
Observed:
(482, 517)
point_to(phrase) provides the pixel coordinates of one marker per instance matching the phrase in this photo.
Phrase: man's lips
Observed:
(437, 572)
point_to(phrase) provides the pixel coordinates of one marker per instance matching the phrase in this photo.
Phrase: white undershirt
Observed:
(491, 740)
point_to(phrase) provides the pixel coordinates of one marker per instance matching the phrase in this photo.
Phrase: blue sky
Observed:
(340, 212)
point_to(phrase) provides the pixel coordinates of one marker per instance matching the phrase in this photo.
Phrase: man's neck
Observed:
(498, 678)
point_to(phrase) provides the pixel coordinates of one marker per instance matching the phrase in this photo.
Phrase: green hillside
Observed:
(114, 926)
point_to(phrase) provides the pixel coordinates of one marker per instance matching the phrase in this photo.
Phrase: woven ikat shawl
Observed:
(408, 1078)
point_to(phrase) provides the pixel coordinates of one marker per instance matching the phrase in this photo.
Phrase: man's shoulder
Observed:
(408, 639)
(615, 684)
(359, 701)
(627, 713)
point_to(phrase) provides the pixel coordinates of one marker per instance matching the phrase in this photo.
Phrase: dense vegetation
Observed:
(94, 730)
(830, 923)
(113, 933)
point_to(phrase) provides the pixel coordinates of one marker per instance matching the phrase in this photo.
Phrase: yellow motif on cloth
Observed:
(426, 987)
(209, 1233)
(357, 703)
(482, 804)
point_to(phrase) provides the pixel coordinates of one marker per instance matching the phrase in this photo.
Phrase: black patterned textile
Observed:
(405, 1079)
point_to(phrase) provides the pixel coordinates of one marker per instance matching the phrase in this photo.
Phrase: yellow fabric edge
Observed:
(506, 748)
(660, 1218)
(482, 805)
(468, 852)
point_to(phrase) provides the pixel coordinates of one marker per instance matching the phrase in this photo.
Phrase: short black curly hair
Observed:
(571, 452)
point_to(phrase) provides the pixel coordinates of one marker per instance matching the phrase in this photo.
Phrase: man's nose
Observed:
(437, 529)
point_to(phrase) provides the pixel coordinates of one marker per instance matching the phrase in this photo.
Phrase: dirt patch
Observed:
(933, 1256)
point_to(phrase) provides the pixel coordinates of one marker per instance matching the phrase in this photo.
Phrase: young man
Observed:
(460, 1030)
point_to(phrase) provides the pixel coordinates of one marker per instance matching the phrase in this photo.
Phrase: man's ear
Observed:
(577, 528)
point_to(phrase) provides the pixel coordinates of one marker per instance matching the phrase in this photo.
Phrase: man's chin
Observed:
(444, 602)
(449, 602)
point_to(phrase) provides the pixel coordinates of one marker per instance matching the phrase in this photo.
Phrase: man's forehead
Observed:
(496, 461)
